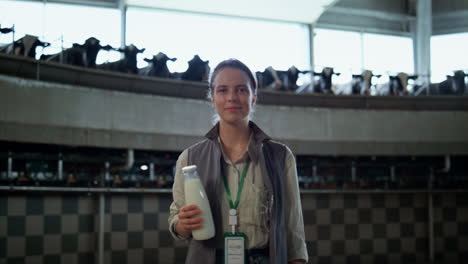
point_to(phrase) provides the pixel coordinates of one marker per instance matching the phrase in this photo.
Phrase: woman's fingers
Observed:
(188, 219)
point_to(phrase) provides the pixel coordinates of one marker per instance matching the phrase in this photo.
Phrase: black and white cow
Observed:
(360, 84)
(453, 85)
(25, 46)
(157, 66)
(198, 70)
(323, 84)
(397, 85)
(79, 54)
(272, 79)
(128, 64)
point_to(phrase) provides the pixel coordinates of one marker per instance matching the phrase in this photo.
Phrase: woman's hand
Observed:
(188, 220)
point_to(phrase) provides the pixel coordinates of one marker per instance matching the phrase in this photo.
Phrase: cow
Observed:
(324, 82)
(79, 54)
(157, 66)
(25, 46)
(360, 84)
(453, 85)
(397, 85)
(128, 64)
(279, 80)
(198, 70)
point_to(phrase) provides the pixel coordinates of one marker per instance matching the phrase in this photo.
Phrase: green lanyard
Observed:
(239, 190)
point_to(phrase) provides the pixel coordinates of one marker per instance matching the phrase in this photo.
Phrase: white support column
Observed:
(422, 31)
(123, 23)
(311, 46)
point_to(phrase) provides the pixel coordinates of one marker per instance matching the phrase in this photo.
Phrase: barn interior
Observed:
(88, 151)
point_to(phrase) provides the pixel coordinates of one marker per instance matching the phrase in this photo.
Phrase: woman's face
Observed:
(232, 97)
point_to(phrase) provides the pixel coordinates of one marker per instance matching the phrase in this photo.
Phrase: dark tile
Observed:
(86, 223)
(69, 205)
(406, 200)
(51, 259)
(393, 215)
(381, 259)
(353, 259)
(408, 258)
(311, 247)
(150, 221)
(3, 206)
(16, 225)
(323, 232)
(366, 246)
(119, 257)
(463, 229)
(135, 204)
(461, 200)
(337, 217)
(69, 243)
(3, 245)
(18, 260)
(164, 203)
(451, 244)
(119, 222)
(180, 255)
(449, 214)
(165, 239)
(52, 224)
(323, 201)
(86, 258)
(438, 229)
(407, 230)
(394, 245)
(350, 201)
(107, 205)
(365, 216)
(309, 217)
(378, 201)
(420, 214)
(135, 239)
(338, 248)
(422, 245)
(34, 245)
(380, 230)
(34, 205)
(107, 241)
(150, 256)
(324, 260)
(351, 232)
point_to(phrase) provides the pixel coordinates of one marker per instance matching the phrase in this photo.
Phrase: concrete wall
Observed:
(42, 112)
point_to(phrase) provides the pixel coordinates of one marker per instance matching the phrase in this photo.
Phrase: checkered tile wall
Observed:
(340, 228)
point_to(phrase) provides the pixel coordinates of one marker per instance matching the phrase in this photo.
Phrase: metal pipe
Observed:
(353, 171)
(60, 168)
(106, 173)
(10, 166)
(151, 172)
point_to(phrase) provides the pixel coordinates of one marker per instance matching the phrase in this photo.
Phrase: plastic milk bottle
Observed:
(195, 194)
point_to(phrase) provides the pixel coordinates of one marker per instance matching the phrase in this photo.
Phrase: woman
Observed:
(238, 162)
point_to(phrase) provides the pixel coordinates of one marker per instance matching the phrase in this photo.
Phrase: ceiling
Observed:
(302, 11)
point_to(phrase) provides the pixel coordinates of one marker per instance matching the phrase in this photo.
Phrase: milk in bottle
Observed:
(195, 194)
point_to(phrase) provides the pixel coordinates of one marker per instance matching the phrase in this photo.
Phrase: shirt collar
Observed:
(257, 137)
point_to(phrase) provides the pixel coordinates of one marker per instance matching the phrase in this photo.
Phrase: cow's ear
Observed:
(337, 73)
(173, 59)
(316, 73)
(413, 77)
(147, 60)
(355, 75)
(46, 44)
(378, 75)
(141, 50)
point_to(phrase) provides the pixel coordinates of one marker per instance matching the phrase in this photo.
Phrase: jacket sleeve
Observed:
(178, 195)
(294, 220)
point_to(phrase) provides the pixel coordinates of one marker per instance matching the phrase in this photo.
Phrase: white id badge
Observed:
(234, 248)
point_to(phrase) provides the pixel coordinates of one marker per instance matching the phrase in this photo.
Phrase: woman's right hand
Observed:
(188, 220)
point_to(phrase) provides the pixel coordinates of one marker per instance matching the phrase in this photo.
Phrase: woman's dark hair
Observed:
(236, 64)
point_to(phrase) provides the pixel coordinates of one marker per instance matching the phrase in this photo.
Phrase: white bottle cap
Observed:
(189, 168)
